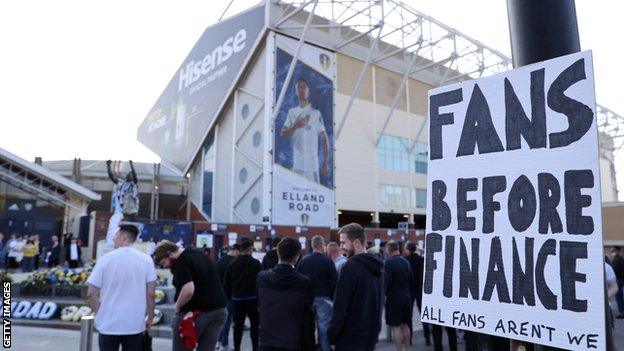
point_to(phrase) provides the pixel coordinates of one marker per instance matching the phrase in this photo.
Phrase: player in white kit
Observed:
(304, 124)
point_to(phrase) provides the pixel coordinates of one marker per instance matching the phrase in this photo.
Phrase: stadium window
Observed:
(392, 153)
(420, 156)
(394, 196)
(209, 167)
(421, 197)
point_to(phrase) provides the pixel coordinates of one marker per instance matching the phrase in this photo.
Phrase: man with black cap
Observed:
(222, 264)
(240, 287)
(356, 319)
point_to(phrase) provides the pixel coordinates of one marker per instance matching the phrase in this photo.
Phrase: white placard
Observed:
(232, 238)
(204, 239)
(377, 242)
(302, 241)
(252, 228)
(514, 231)
(214, 227)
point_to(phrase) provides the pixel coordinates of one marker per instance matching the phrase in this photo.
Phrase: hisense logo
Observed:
(194, 70)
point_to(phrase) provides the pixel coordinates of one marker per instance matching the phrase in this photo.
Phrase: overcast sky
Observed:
(78, 77)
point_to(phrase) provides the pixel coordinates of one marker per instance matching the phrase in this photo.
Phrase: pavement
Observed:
(26, 338)
(37, 338)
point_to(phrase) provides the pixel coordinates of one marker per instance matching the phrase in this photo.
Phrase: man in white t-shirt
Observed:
(15, 251)
(304, 124)
(121, 292)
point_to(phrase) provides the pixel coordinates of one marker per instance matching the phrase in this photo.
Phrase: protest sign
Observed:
(514, 238)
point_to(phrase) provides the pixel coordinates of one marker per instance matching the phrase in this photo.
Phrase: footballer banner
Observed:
(181, 116)
(303, 164)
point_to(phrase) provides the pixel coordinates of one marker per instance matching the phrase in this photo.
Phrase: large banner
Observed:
(514, 235)
(175, 126)
(303, 172)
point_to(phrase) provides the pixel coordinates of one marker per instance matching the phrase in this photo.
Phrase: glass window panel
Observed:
(209, 166)
(421, 198)
(420, 156)
(392, 153)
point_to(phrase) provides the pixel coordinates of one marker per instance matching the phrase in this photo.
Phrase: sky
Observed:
(78, 77)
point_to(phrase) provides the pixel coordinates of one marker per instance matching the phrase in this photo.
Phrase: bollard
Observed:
(86, 333)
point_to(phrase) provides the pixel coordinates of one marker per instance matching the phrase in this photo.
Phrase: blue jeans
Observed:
(28, 264)
(224, 334)
(322, 314)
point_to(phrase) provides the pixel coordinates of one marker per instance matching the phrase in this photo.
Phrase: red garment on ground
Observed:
(187, 330)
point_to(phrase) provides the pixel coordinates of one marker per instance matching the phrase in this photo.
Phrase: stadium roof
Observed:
(97, 168)
(40, 181)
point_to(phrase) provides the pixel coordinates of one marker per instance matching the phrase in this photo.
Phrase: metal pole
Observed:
(157, 201)
(540, 30)
(86, 333)
(188, 197)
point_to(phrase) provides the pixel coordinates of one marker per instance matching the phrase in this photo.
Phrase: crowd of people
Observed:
(332, 298)
(26, 253)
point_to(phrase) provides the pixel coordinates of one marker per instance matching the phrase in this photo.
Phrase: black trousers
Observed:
(127, 342)
(242, 310)
(437, 337)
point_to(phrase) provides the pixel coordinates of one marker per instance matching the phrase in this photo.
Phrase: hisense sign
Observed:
(196, 70)
(180, 118)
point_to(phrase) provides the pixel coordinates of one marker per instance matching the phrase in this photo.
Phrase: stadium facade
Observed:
(338, 136)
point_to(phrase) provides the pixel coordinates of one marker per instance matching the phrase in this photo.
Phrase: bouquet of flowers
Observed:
(59, 276)
(162, 279)
(5, 276)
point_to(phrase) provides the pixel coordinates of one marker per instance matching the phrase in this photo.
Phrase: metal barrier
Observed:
(86, 333)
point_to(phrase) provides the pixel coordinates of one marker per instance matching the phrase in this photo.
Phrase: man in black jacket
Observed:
(417, 263)
(356, 320)
(240, 288)
(322, 273)
(270, 259)
(222, 264)
(617, 262)
(398, 302)
(285, 302)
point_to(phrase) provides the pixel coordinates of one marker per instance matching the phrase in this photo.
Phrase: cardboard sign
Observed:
(514, 236)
